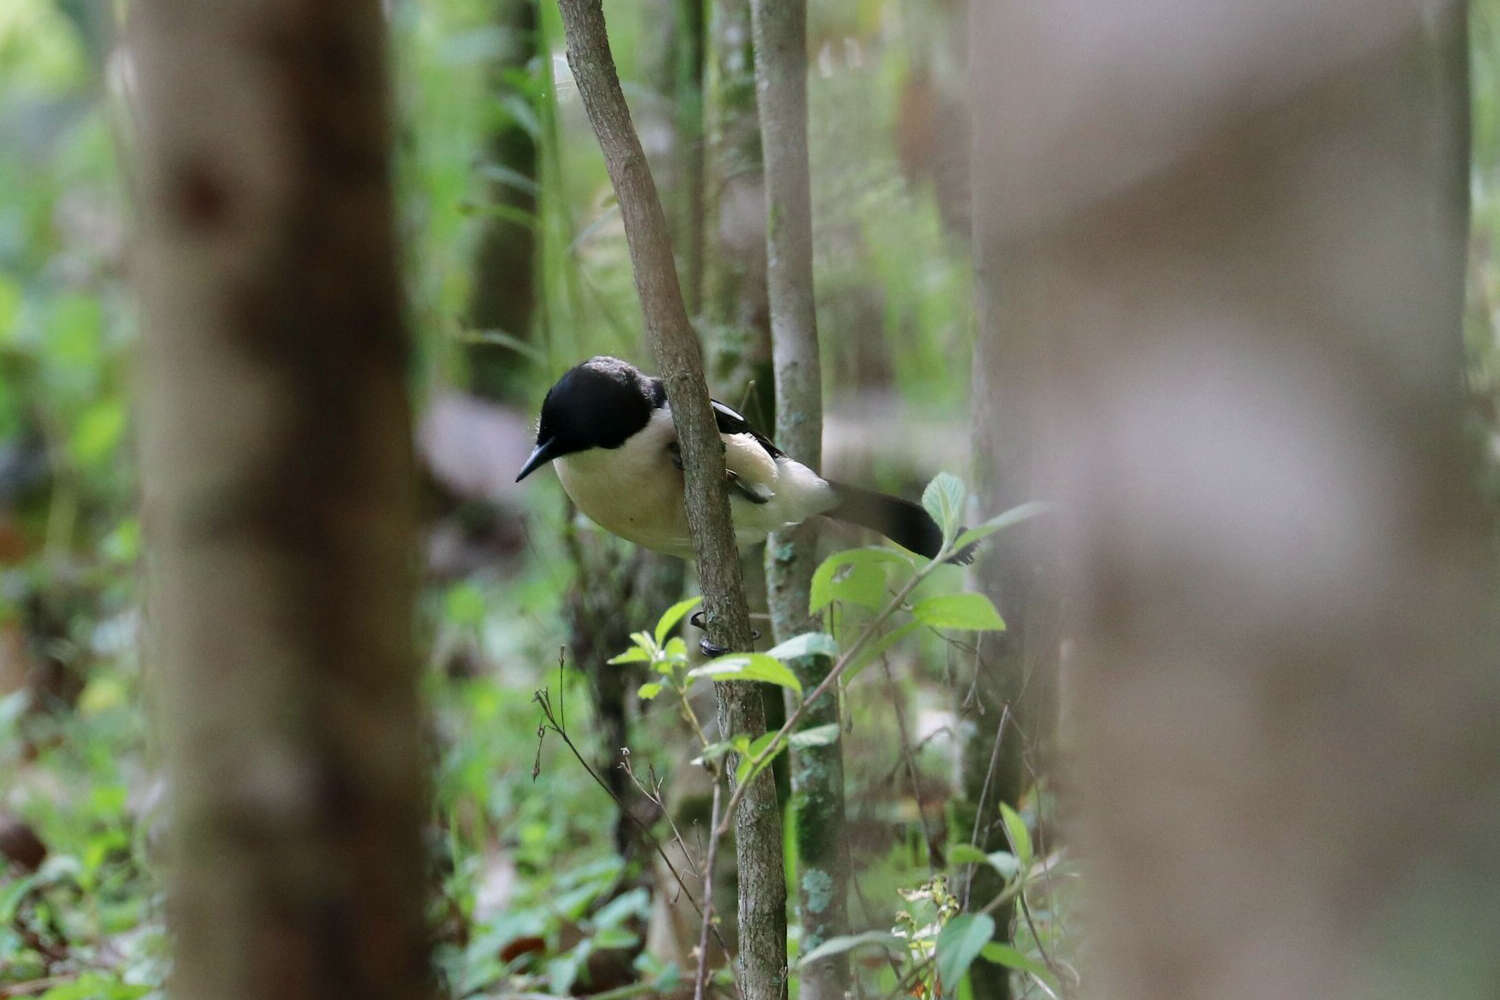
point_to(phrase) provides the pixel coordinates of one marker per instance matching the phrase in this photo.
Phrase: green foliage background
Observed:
(70, 542)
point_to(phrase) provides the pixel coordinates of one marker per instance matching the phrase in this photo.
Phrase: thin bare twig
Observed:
(984, 791)
(544, 700)
(934, 849)
(653, 795)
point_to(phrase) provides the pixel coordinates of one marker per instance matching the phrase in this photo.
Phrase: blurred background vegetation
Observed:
(491, 139)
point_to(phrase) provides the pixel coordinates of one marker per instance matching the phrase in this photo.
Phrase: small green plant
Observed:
(863, 577)
(939, 943)
(934, 943)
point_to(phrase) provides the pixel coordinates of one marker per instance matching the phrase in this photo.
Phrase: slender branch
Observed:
(673, 342)
(668, 330)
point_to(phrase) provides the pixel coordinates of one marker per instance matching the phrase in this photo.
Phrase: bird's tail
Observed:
(902, 521)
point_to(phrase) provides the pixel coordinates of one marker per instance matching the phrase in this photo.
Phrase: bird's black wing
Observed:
(731, 422)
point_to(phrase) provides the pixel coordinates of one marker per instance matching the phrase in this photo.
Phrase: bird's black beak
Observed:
(540, 455)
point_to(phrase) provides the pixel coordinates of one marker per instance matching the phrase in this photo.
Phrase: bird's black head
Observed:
(597, 404)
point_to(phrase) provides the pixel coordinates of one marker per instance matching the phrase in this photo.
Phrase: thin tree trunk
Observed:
(817, 772)
(736, 316)
(758, 826)
(736, 281)
(1246, 257)
(278, 501)
(504, 292)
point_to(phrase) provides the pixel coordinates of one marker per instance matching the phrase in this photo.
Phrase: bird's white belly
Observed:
(636, 490)
(631, 492)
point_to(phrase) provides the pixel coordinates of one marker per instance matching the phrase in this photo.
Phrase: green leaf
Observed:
(958, 944)
(498, 210)
(509, 176)
(966, 854)
(676, 650)
(1004, 954)
(714, 751)
(13, 893)
(849, 942)
(634, 654)
(1000, 522)
(854, 575)
(648, 690)
(815, 736)
(965, 611)
(614, 938)
(672, 616)
(806, 644)
(944, 500)
(748, 767)
(96, 986)
(877, 648)
(522, 113)
(748, 667)
(464, 605)
(1015, 832)
(98, 431)
(1005, 863)
(634, 903)
(501, 339)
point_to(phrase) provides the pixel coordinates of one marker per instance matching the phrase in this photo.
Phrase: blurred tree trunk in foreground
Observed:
(1243, 257)
(278, 480)
(1011, 705)
(505, 287)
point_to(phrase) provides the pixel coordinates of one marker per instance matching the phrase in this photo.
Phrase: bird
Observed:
(607, 428)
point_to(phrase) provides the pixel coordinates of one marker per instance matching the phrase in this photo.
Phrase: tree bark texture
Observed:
(762, 956)
(504, 292)
(278, 500)
(780, 30)
(736, 303)
(1244, 256)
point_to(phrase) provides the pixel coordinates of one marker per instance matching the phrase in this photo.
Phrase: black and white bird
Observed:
(608, 428)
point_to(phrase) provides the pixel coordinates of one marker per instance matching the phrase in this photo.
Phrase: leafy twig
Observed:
(844, 661)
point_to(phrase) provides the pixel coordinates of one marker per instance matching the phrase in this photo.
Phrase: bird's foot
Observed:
(707, 647)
